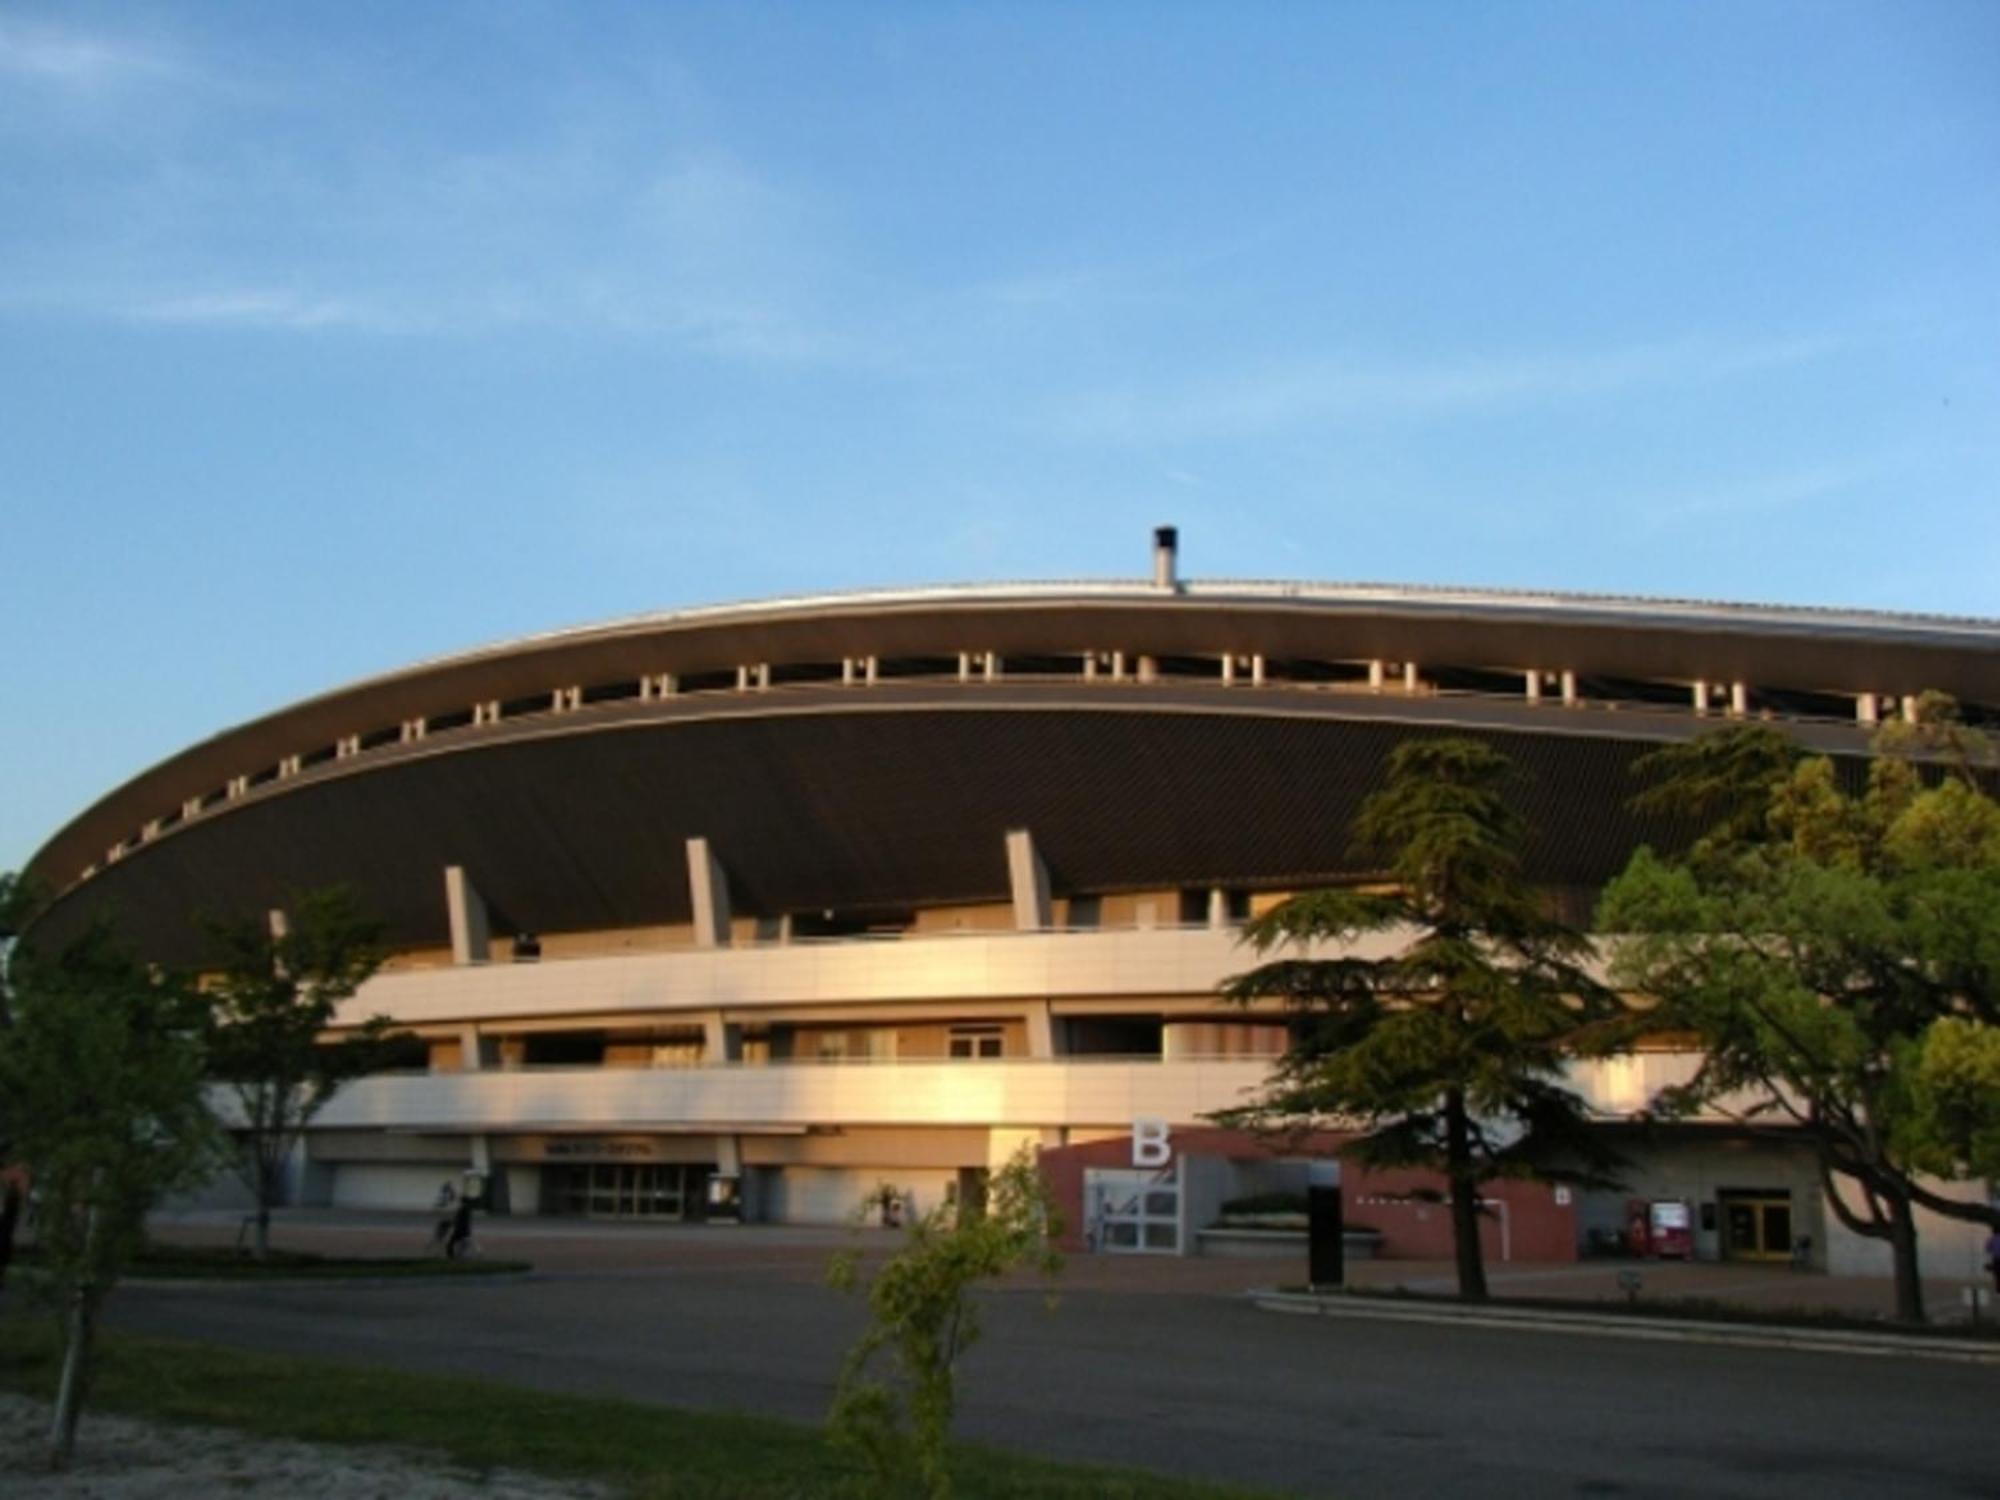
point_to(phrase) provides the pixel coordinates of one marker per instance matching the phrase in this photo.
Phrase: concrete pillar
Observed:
(1867, 709)
(1029, 879)
(1739, 699)
(1532, 684)
(1409, 677)
(238, 786)
(991, 666)
(1218, 906)
(847, 671)
(1041, 1030)
(191, 808)
(1257, 670)
(471, 932)
(1701, 697)
(1375, 676)
(763, 676)
(743, 679)
(474, 1050)
(708, 886)
(278, 924)
(669, 684)
(728, 1156)
(1090, 666)
(965, 666)
(1149, 669)
(1569, 689)
(1228, 670)
(1909, 708)
(720, 1042)
(1118, 666)
(874, 669)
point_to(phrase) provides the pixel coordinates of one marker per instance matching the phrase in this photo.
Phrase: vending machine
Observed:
(1670, 1225)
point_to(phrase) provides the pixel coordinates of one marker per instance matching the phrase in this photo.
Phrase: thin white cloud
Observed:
(1273, 396)
(259, 308)
(76, 59)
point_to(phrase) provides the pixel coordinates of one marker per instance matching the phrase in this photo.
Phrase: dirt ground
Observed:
(121, 1459)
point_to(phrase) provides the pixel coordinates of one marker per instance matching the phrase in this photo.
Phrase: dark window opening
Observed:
(445, 723)
(516, 708)
(1306, 669)
(1207, 668)
(1040, 666)
(1638, 691)
(923, 666)
(718, 681)
(836, 924)
(318, 757)
(1791, 703)
(1113, 1036)
(260, 778)
(375, 739)
(805, 672)
(563, 1049)
(1086, 911)
(215, 798)
(1482, 680)
(610, 692)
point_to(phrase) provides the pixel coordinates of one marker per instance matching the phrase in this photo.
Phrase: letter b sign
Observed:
(1150, 1147)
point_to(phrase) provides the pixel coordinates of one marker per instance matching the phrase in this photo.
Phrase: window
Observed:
(976, 1041)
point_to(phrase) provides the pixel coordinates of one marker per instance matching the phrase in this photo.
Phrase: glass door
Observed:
(1131, 1211)
(1756, 1226)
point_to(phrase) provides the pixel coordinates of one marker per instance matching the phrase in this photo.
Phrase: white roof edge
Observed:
(1632, 609)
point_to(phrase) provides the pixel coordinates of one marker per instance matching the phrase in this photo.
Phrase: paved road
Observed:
(1188, 1383)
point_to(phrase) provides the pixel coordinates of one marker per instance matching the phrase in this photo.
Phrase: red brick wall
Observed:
(1525, 1214)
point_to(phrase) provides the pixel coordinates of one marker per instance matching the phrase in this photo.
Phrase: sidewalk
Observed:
(585, 1247)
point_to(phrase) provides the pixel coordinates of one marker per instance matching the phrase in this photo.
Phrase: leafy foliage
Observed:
(1447, 1051)
(102, 1069)
(922, 1320)
(1836, 950)
(273, 995)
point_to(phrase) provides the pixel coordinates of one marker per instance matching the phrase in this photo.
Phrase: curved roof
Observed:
(321, 783)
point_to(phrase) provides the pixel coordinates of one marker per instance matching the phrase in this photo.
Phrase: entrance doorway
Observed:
(620, 1190)
(1756, 1224)
(1132, 1211)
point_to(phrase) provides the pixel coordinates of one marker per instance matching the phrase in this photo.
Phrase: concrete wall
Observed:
(1949, 1249)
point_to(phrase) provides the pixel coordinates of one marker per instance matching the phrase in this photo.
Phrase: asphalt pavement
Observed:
(1187, 1378)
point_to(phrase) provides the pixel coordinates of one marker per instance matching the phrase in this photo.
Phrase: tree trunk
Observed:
(76, 1355)
(10, 1220)
(1903, 1251)
(1464, 1199)
(263, 1241)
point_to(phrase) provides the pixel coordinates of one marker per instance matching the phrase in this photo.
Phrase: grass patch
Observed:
(646, 1451)
(1684, 1310)
(224, 1263)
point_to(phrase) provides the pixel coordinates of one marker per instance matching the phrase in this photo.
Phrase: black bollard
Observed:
(1326, 1250)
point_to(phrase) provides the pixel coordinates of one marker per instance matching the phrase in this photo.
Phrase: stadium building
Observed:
(765, 910)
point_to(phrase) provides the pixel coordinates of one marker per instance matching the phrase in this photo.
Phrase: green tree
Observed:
(1448, 1052)
(922, 1320)
(1836, 950)
(19, 900)
(103, 1071)
(272, 995)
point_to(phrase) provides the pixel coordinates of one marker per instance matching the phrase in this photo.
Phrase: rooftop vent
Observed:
(1166, 548)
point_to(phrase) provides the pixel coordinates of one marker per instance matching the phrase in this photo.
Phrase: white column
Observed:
(991, 666)
(873, 670)
(471, 932)
(470, 1059)
(708, 888)
(1118, 666)
(1029, 879)
(1569, 689)
(1533, 684)
(1218, 906)
(1909, 708)
(1701, 697)
(1409, 677)
(1228, 670)
(1739, 699)
(1375, 675)
(847, 671)
(720, 1042)
(1041, 1030)
(1257, 670)
(1867, 709)
(965, 666)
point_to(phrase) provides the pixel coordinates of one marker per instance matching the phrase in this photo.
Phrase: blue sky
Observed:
(336, 336)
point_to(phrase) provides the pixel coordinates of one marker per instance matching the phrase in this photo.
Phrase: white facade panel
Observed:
(404, 1185)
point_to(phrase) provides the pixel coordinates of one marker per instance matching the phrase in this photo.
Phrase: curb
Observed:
(1610, 1325)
